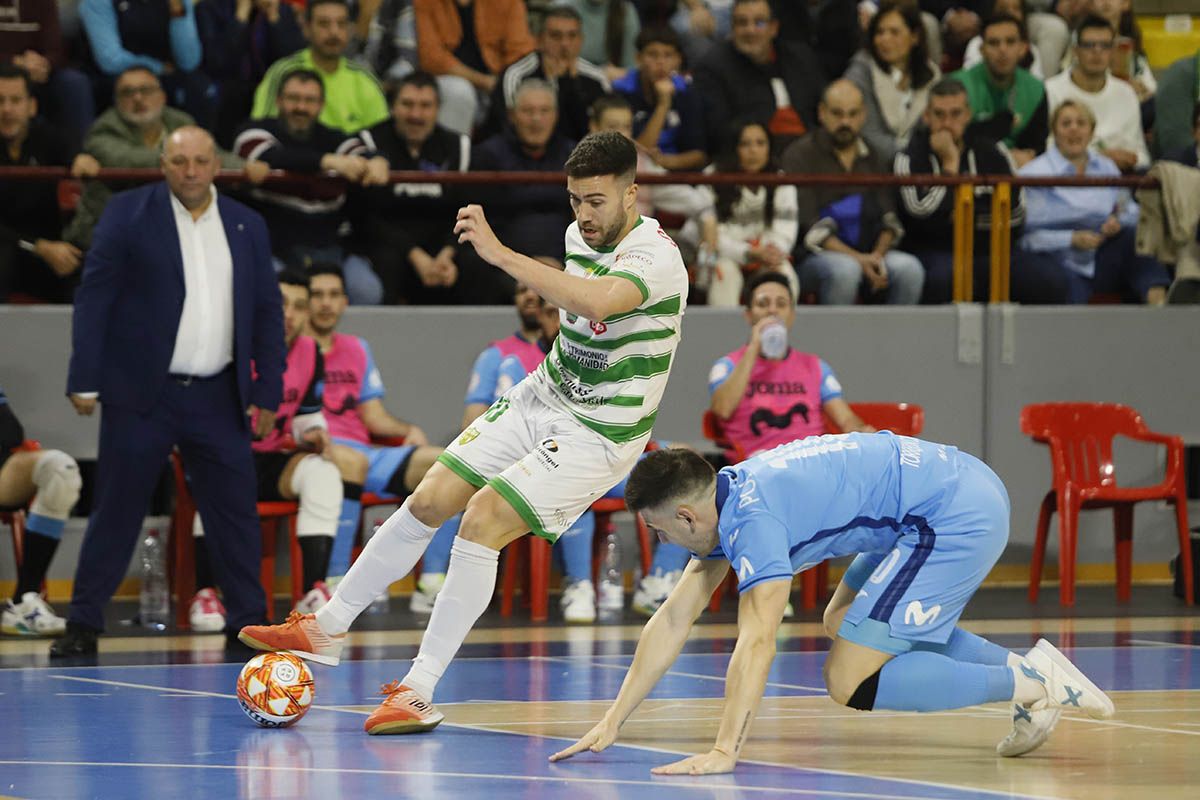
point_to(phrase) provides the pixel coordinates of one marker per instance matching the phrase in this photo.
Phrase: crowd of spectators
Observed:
(346, 90)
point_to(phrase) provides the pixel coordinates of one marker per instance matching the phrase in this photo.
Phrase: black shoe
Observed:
(77, 641)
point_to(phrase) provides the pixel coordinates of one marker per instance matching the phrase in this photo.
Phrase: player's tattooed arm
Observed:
(759, 614)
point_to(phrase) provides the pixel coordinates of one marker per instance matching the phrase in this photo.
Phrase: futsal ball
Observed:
(275, 689)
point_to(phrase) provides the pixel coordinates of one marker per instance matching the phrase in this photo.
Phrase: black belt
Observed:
(188, 380)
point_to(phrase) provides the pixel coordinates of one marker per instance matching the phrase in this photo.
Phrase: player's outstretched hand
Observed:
(710, 763)
(597, 739)
(473, 227)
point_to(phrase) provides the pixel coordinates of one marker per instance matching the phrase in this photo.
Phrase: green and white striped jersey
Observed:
(610, 374)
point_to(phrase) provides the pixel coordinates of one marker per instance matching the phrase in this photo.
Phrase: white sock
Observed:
(470, 582)
(389, 556)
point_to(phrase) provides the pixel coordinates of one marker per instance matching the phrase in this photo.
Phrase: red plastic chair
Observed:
(14, 518)
(183, 547)
(904, 419)
(1080, 436)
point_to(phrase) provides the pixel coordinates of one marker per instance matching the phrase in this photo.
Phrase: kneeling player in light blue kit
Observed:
(928, 522)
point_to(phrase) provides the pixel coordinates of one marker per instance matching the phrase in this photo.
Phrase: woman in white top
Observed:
(894, 74)
(757, 226)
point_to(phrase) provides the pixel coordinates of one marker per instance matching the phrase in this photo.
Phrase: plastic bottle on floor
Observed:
(611, 599)
(154, 606)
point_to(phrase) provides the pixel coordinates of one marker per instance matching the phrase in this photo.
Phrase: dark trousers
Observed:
(26, 273)
(205, 420)
(1119, 270)
(1029, 284)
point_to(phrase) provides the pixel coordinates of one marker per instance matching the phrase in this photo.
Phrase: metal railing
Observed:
(963, 246)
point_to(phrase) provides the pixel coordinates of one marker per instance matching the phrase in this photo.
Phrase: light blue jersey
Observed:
(935, 518)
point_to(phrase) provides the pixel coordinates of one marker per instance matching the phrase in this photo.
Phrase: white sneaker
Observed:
(1030, 730)
(426, 592)
(578, 602)
(652, 590)
(1066, 687)
(206, 614)
(315, 600)
(33, 616)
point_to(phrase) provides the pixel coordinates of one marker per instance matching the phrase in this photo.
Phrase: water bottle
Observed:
(611, 599)
(773, 342)
(706, 265)
(154, 602)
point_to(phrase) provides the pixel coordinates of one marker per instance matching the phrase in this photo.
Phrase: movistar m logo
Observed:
(745, 569)
(916, 614)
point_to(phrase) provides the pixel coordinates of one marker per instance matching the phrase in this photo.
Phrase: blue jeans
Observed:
(838, 278)
(1119, 270)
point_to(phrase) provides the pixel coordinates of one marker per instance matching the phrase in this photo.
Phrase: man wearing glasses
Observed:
(1113, 101)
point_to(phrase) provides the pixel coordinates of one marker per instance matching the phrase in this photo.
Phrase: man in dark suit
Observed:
(178, 296)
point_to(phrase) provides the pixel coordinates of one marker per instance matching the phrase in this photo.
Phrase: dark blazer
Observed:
(128, 305)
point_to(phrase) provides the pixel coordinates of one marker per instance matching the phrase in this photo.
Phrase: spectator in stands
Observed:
(50, 478)
(693, 203)
(848, 233)
(242, 39)
(894, 74)
(304, 221)
(668, 116)
(466, 44)
(390, 48)
(946, 146)
(1113, 102)
(159, 35)
(752, 75)
(30, 38)
(960, 20)
(295, 461)
(527, 218)
(1189, 154)
(1129, 61)
(610, 31)
(408, 227)
(703, 23)
(33, 258)
(1049, 37)
(131, 134)
(353, 407)
(1085, 234)
(756, 225)
(1007, 103)
(577, 82)
(764, 399)
(1177, 98)
(353, 97)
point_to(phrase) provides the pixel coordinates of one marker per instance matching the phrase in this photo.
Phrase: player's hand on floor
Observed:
(597, 739)
(473, 227)
(710, 763)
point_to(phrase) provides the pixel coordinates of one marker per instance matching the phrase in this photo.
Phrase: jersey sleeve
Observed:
(484, 374)
(831, 389)
(757, 549)
(720, 373)
(372, 385)
(649, 264)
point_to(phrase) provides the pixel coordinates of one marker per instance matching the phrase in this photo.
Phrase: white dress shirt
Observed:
(204, 341)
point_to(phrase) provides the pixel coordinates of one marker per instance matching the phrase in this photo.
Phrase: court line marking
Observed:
(698, 676)
(648, 748)
(661, 782)
(1165, 644)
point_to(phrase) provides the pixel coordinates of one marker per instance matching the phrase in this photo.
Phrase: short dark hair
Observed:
(133, 69)
(561, 12)
(947, 87)
(762, 278)
(658, 34)
(325, 268)
(1004, 18)
(603, 153)
(291, 277)
(770, 5)
(312, 5)
(304, 76)
(1093, 22)
(607, 102)
(9, 72)
(667, 475)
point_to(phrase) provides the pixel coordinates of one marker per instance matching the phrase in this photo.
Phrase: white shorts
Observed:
(546, 464)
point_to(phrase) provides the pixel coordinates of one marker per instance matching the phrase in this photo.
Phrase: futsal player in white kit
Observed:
(545, 450)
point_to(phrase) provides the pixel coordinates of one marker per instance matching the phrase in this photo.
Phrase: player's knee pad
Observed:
(318, 484)
(56, 476)
(863, 698)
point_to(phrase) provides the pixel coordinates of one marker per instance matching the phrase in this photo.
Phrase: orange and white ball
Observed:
(275, 689)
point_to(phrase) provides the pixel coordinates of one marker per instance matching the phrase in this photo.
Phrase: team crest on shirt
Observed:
(468, 436)
(598, 328)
